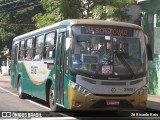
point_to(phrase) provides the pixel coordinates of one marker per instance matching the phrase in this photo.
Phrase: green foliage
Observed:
(5, 32)
(57, 10)
(16, 19)
(53, 13)
(24, 15)
(70, 8)
(112, 9)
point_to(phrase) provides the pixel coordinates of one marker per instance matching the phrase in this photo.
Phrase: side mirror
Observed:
(149, 52)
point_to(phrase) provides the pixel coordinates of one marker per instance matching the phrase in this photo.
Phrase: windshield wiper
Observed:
(121, 57)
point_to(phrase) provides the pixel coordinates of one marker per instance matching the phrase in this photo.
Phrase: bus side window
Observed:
(29, 50)
(21, 50)
(49, 50)
(39, 44)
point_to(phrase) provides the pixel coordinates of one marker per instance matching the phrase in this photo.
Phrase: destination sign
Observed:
(107, 30)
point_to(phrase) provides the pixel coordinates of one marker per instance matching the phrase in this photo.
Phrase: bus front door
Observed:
(14, 71)
(60, 69)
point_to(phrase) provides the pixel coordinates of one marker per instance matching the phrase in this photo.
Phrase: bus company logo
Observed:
(113, 90)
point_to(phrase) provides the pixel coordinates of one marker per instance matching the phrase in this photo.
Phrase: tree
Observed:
(115, 9)
(16, 19)
(57, 10)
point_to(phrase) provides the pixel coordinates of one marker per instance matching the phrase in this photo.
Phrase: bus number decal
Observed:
(130, 89)
(34, 69)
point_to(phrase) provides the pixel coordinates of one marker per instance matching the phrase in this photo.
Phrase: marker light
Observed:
(142, 90)
(78, 87)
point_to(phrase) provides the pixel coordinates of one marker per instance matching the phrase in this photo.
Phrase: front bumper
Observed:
(78, 101)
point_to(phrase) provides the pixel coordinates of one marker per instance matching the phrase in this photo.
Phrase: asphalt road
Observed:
(10, 101)
(10, 104)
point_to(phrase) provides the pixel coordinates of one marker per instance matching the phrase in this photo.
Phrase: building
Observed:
(134, 11)
(150, 21)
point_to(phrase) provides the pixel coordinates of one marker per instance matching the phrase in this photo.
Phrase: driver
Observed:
(105, 52)
(105, 47)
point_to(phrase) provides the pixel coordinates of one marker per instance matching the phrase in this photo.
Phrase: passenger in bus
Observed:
(50, 52)
(29, 54)
(37, 57)
(121, 49)
(105, 47)
(105, 53)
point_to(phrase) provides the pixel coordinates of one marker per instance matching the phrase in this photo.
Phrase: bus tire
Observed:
(51, 101)
(20, 93)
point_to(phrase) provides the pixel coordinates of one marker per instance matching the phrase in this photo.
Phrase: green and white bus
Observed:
(81, 64)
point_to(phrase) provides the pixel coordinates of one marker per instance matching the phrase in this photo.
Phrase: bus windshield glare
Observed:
(108, 50)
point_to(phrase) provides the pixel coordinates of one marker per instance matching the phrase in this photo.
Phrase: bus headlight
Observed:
(142, 90)
(78, 88)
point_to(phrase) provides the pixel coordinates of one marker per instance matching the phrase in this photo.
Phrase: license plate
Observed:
(112, 102)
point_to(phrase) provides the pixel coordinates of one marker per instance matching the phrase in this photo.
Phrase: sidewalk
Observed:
(5, 77)
(153, 100)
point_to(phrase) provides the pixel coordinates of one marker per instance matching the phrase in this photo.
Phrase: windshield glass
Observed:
(104, 50)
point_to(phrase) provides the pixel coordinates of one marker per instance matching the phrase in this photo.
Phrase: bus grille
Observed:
(136, 81)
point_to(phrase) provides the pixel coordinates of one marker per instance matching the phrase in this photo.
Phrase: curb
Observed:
(153, 102)
(152, 105)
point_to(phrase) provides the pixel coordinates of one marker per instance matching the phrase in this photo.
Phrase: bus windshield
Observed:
(108, 50)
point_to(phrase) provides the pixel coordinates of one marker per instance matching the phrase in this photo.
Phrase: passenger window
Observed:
(39, 44)
(50, 41)
(29, 50)
(21, 50)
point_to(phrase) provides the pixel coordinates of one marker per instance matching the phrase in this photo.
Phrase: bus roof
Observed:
(100, 22)
(71, 22)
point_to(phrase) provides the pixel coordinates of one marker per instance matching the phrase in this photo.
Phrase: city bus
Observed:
(83, 64)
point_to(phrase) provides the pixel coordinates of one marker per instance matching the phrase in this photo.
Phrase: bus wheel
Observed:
(20, 93)
(52, 103)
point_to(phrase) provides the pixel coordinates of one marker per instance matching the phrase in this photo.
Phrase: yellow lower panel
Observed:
(78, 101)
